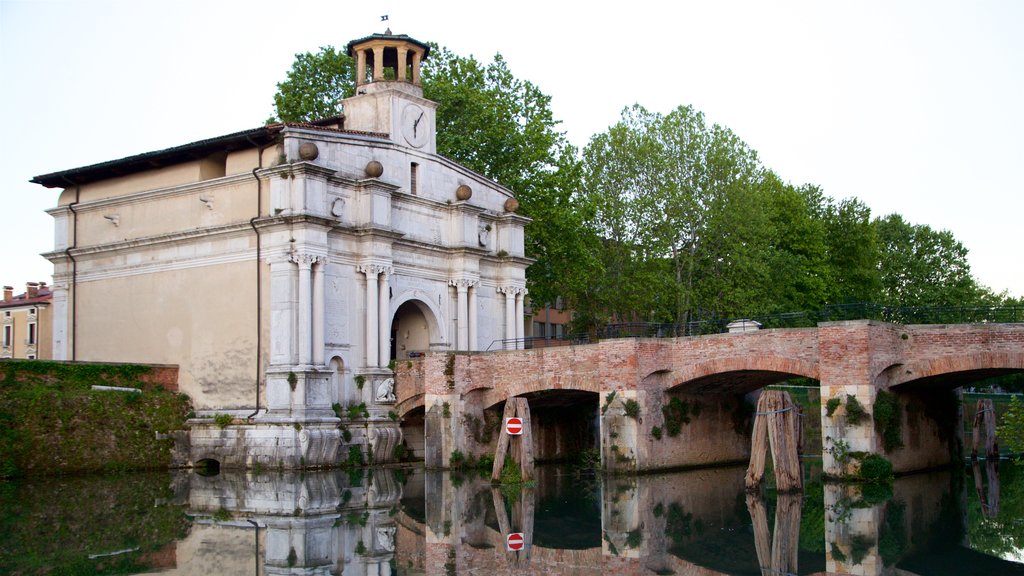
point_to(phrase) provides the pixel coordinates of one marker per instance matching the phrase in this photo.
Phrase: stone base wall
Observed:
(286, 445)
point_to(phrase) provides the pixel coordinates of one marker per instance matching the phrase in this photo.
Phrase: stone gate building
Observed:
(283, 268)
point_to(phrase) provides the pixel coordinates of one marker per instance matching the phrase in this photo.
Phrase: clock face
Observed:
(415, 125)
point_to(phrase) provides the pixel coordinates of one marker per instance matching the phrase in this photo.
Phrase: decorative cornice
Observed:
(149, 195)
(147, 241)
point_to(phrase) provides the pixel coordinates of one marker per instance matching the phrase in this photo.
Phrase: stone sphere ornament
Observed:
(374, 169)
(463, 193)
(511, 205)
(308, 151)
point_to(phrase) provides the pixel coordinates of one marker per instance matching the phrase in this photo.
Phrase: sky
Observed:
(912, 107)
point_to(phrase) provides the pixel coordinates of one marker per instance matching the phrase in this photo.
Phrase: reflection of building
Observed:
(26, 322)
(284, 267)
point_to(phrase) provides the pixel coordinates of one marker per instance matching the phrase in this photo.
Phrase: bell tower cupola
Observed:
(389, 96)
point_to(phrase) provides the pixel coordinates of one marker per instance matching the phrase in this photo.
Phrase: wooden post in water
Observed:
(985, 416)
(776, 427)
(519, 447)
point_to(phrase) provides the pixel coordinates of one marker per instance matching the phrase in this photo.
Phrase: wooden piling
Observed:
(519, 447)
(985, 418)
(776, 427)
(776, 554)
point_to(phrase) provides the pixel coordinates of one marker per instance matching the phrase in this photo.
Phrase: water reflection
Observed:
(411, 522)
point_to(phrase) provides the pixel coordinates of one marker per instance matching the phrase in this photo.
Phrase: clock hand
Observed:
(416, 123)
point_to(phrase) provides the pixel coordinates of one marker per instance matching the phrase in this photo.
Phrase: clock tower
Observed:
(389, 98)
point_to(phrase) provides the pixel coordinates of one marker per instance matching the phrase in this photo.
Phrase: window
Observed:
(8, 335)
(32, 311)
(31, 333)
(31, 356)
(414, 170)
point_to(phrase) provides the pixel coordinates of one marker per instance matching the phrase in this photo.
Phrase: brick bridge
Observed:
(612, 395)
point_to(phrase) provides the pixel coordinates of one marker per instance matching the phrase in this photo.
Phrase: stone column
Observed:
(384, 317)
(372, 310)
(520, 302)
(473, 344)
(59, 313)
(416, 56)
(305, 263)
(402, 55)
(360, 68)
(461, 314)
(378, 64)
(510, 315)
(318, 311)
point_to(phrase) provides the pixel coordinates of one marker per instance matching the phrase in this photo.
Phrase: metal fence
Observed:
(860, 311)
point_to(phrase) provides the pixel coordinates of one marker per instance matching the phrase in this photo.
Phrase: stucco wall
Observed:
(198, 318)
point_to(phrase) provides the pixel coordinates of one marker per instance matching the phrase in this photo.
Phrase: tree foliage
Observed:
(662, 217)
(923, 267)
(315, 86)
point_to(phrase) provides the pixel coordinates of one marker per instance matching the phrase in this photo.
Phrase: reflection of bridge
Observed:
(324, 523)
(613, 394)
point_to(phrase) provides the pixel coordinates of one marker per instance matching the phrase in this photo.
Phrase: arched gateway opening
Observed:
(411, 330)
(415, 326)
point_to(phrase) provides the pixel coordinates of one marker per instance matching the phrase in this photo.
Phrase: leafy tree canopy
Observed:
(662, 217)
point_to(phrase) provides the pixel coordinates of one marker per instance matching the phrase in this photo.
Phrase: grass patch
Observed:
(51, 421)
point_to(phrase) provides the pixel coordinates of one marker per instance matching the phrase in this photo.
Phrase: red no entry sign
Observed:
(514, 426)
(515, 542)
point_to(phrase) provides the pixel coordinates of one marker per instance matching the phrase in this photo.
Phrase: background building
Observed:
(26, 320)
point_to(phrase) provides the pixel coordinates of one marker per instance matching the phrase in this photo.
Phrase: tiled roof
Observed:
(42, 297)
(261, 136)
(388, 36)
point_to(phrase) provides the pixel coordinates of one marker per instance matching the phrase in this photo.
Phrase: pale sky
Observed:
(913, 107)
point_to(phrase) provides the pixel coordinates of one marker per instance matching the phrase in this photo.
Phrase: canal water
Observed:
(409, 522)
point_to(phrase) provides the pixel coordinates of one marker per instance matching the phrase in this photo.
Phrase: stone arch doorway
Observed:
(413, 330)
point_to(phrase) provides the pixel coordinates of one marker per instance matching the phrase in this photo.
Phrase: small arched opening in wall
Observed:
(343, 392)
(414, 327)
(207, 467)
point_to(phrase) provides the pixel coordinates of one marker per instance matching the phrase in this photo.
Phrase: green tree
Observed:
(853, 255)
(679, 206)
(923, 267)
(315, 86)
(798, 266)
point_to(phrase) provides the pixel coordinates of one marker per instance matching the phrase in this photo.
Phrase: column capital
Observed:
(375, 269)
(513, 290)
(463, 283)
(306, 260)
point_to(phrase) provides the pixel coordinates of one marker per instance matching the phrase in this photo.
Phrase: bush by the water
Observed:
(875, 468)
(51, 421)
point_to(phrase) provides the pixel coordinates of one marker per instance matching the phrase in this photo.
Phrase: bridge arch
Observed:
(952, 371)
(740, 374)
